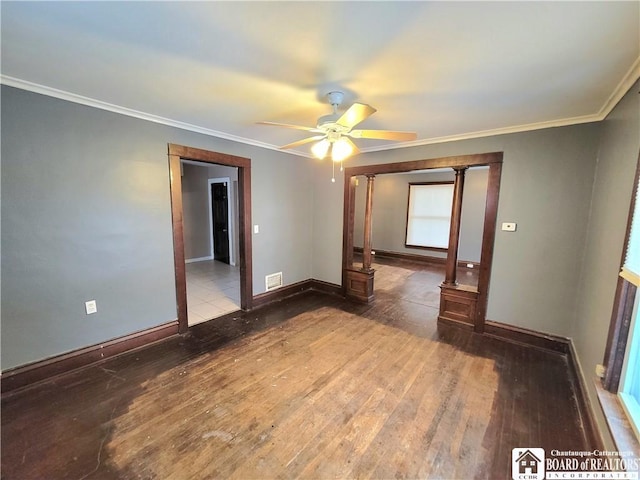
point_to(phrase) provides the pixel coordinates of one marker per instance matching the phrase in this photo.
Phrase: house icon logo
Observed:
(527, 464)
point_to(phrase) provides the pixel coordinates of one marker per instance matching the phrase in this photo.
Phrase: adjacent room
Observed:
(210, 223)
(319, 239)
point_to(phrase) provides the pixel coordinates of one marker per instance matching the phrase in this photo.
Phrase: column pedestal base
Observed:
(458, 305)
(359, 285)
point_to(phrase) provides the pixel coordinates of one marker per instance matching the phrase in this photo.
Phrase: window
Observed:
(630, 379)
(429, 215)
(622, 356)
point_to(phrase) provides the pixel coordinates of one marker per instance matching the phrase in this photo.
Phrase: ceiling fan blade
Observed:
(383, 135)
(287, 125)
(303, 141)
(355, 114)
(356, 150)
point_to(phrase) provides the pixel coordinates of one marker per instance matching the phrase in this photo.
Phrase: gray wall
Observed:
(612, 191)
(390, 201)
(86, 215)
(195, 207)
(546, 188)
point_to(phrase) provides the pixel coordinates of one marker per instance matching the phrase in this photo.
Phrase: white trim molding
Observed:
(625, 84)
(110, 107)
(199, 259)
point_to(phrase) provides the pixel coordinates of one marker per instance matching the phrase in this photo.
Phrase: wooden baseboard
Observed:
(25, 375)
(281, 293)
(326, 287)
(31, 373)
(412, 257)
(591, 430)
(557, 344)
(524, 336)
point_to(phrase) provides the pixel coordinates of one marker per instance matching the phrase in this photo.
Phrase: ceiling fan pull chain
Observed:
(333, 172)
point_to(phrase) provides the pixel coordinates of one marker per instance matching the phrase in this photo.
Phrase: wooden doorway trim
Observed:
(177, 153)
(492, 160)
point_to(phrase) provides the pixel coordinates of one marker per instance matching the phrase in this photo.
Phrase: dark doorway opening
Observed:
(220, 221)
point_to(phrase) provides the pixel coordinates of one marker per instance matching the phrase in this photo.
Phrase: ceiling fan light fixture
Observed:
(321, 148)
(335, 131)
(341, 150)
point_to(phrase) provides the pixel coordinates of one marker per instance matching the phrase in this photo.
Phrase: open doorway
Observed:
(210, 222)
(210, 188)
(461, 304)
(410, 232)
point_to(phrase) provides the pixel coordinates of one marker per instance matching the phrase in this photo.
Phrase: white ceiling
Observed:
(446, 70)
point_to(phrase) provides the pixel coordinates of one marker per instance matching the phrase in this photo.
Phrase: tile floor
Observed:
(213, 289)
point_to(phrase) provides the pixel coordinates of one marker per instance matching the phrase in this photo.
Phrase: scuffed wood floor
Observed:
(311, 387)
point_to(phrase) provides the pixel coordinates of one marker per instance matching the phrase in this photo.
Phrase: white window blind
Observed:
(429, 215)
(631, 267)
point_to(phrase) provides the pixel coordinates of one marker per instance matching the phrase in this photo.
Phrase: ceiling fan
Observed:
(335, 131)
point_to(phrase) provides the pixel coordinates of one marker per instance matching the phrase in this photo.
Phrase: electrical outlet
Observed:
(509, 227)
(90, 307)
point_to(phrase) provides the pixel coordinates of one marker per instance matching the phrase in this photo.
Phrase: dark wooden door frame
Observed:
(492, 160)
(180, 152)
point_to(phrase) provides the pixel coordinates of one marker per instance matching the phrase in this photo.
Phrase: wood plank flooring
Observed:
(310, 387)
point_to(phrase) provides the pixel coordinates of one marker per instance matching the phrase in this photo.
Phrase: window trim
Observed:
(618, 334)
(406, 225)
(607, 388)
(622, 310)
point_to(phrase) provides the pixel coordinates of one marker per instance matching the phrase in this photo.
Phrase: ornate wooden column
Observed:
(359, 283)
(454, 229)
(366, 245)
(458, 303)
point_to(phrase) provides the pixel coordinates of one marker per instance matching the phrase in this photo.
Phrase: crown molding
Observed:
(621, 89)
(92, 102)
(632, 75)
(489, 133)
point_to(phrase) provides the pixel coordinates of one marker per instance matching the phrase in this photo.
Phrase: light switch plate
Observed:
(509, 227)
(256, 229)
(90, 307)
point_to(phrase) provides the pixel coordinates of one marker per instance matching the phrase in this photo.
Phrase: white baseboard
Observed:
(199, 259)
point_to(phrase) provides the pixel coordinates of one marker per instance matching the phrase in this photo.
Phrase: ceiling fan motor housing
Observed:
(335, 98)
(326, 122)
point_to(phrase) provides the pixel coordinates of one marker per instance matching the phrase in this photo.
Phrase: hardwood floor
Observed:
(310, 387)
